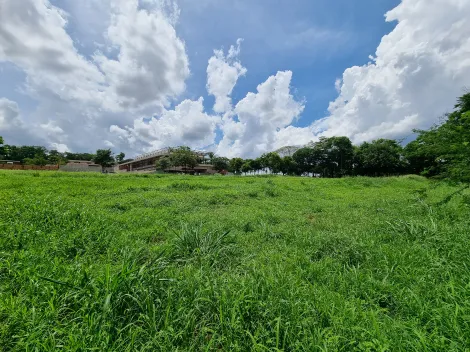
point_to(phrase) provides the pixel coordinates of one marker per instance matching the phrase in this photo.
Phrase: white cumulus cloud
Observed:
(128, 95)
(9, 115)
(260, 118)
(33, 37)
(418, 71)
(151, 65)
(223, 72)
(79, 96)
(187, 124)
(12, 126)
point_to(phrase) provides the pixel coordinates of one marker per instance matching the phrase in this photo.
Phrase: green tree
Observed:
(333, 156)
(444, 150)
(272, 161)
(3, 149)
(306, 160)
(163, 164)
(104, 157)
(256, 164)
(12, 152)
(120, 157)
(220, 163)
(247, 166)
(183, 156)
(382, 157)
(289, 166)
(56, 158)
(38, 160)
(79, 156)
(211, 156)
(236, 165)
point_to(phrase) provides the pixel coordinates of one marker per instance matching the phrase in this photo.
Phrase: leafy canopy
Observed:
(104, 157)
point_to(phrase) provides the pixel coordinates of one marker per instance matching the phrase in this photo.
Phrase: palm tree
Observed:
(211, 157)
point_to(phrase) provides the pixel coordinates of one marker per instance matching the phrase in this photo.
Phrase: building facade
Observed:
(148, 162)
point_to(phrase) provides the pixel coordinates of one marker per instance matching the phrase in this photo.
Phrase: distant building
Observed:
(84, 166)
(148, 162)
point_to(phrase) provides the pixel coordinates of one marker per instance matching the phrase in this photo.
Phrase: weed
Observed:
(194, 243)
(120, 207)
(186, 186)
(344, 249)
(102, 262)
(413, 231)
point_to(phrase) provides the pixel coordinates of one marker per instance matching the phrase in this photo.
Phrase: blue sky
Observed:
(137, 75)
(342, 34)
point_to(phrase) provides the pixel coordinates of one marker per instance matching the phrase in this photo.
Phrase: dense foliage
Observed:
(444, 150)
(104, 157)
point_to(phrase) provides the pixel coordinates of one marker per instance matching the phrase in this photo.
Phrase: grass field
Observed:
(163, 263)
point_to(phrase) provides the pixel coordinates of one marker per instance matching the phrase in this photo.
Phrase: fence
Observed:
(27, 167)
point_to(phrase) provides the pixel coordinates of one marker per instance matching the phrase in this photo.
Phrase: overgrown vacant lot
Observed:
(161, 263)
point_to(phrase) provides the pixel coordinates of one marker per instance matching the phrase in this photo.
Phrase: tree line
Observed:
(441, 151)
(38, 155)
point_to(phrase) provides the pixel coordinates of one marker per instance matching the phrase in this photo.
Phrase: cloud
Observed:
(151, 66)
(33, 37)
(61, 148)
(223, 73)
(9, 115)
(418, 71)
(260, 118)
(143, 70)
(12, 126)
(187, 124)
(125, 96)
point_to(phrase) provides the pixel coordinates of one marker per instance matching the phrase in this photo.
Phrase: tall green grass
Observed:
(162, 263)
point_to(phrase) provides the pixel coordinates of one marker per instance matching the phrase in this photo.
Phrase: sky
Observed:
(237, 77)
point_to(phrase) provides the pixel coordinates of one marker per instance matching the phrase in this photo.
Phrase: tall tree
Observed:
(306, 160)
(272, 161)
(211, 156)
(289, 166)
(3, 149)
(120, 157)
(444, 150)
(334, 156)
(104, 157)
(256, 164)
(236, 165)
(220, 163)
(382, 157)
(56, 157)
(163, 163)
(24, 152)
(247, 166)
(183, 156)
